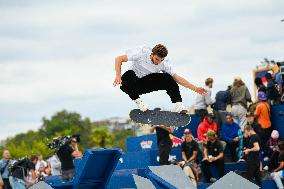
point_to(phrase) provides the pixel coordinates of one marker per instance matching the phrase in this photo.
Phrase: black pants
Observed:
(253, 171)
(233, 147)
(201, 113)
(266, 133)
(273, 161)
(134, 86)
(164, 148)
(206, 168)
(6, 184)
(220, 118)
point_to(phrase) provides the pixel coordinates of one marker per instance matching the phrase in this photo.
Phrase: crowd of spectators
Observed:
(240, 126)
(25, 172)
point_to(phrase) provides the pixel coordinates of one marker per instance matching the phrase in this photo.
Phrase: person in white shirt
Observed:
(55, 165)
(40, 165)
(203, 101)
(150, 71)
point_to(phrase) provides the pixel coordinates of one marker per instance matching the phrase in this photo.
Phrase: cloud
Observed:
(58, 55)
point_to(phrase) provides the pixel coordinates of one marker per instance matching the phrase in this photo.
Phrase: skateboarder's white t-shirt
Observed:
(142, 64)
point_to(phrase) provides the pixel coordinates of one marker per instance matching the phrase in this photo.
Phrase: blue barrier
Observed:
(277, 117)
(94, 170)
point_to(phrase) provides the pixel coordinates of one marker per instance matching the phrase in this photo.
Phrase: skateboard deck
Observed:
(158, 117)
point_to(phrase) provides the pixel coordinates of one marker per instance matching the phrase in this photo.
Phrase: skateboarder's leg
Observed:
(129, 84)
(160, 81)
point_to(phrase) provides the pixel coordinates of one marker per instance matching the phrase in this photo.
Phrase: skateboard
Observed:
(159, 117)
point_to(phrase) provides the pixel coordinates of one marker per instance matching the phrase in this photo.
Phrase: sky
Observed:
(59, 54)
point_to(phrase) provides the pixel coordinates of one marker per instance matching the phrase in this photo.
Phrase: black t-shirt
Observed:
(253, 156)
(188, 148)
(23, 168)
(162, 135)
(214, 149)
(281, 157)
(65, 156)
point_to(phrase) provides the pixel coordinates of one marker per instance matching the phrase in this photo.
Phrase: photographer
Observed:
(67, 150)
(19, 172)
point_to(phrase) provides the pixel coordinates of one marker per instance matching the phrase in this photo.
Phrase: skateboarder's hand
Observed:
(201, 90)
(117, 81)
(236, 139)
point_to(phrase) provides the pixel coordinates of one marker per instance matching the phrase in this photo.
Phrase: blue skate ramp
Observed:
(93, 171)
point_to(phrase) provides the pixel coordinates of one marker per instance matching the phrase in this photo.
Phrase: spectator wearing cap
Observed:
(203, 101)
(189, 150)
(272, 93)
(230, 135)
(213, 155)
(262, 113)
(240, 98)
(164, 142)
(207, 124)
(222, 100)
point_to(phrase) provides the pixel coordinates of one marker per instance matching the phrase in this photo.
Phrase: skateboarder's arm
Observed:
(182, 81)
(118, 62)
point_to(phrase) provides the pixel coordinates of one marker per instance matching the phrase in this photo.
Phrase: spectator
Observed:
(278, 173)
(230, 135)
(240, 97)
(253, 123)
(271, 150)
(213, 155)
(41, 165)
(272, 93)
(222, 100)
(55, 165)
(259, 85)
(21, 171)
(262, 113)
(164, 142)
(76, 153)
(4, 173)
(272, 142)
(207, 124)
(252, 155)
(203, 101)
(189, 150)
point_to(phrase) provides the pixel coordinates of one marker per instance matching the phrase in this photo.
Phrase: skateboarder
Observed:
(150, 71)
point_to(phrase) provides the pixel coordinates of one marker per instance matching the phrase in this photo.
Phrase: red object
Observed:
(203, 128)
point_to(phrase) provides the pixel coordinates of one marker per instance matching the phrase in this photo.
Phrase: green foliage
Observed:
(65, 123)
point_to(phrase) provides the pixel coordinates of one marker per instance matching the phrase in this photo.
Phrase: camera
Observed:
(17, 164)
(58, 142)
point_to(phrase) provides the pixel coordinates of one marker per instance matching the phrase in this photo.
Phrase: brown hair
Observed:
(208, 81)
(160, 50)
(248, 128)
